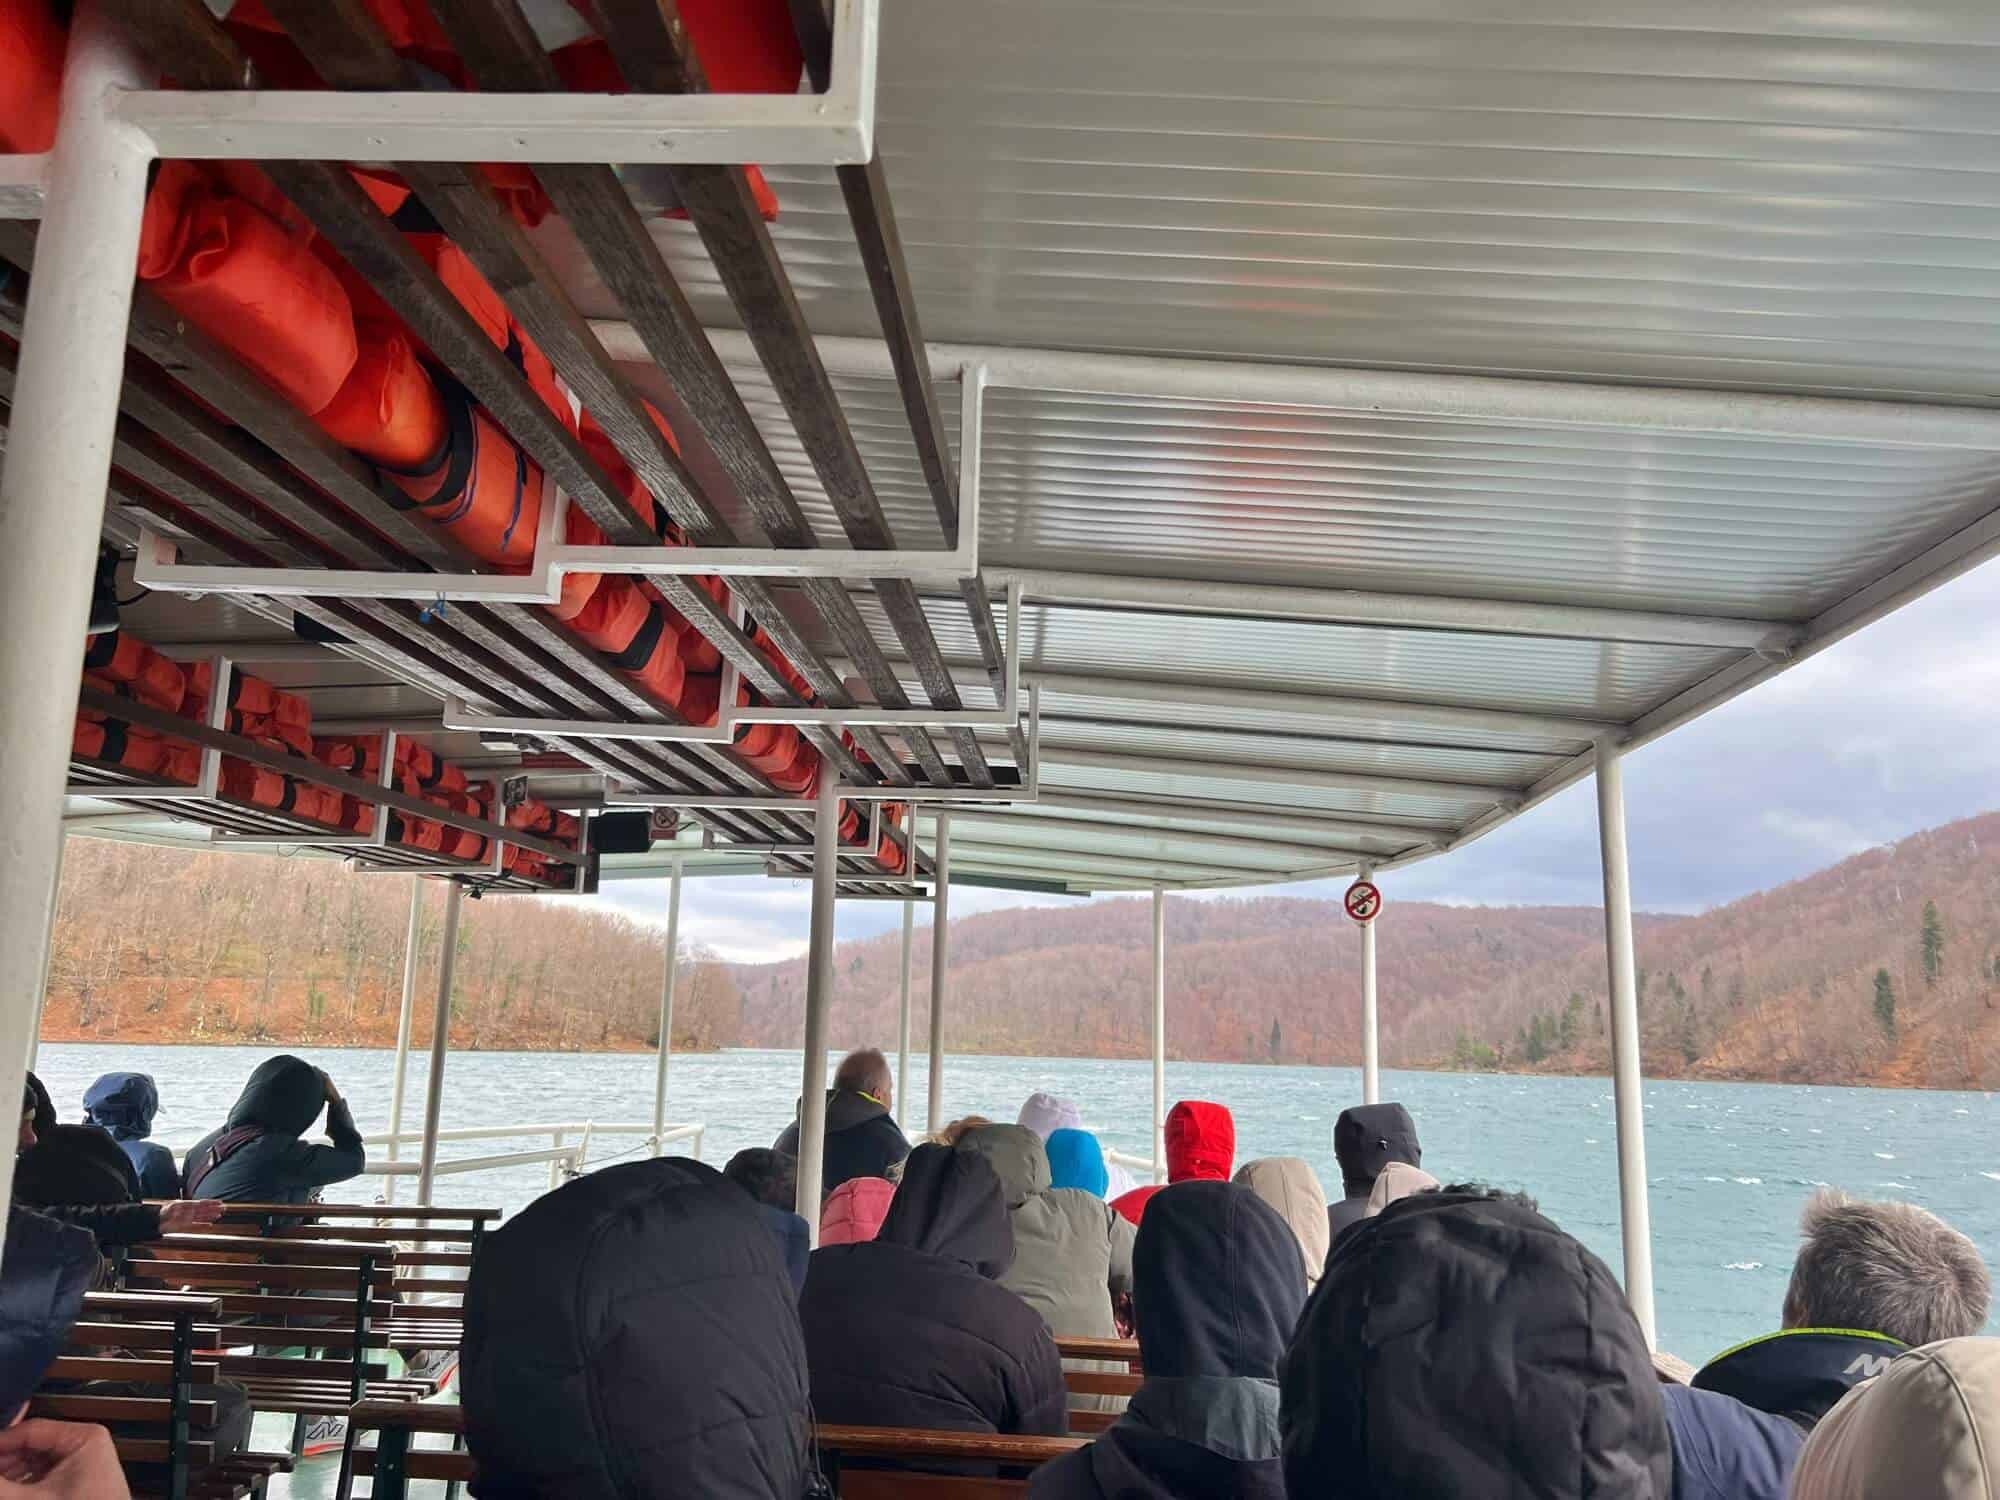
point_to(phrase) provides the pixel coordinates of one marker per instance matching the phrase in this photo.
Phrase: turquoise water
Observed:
(1729, 1164)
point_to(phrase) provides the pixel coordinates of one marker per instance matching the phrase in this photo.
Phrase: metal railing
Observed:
(1140, 1167)
(565, 1159)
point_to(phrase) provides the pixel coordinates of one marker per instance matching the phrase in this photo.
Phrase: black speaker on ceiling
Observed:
(621, 833)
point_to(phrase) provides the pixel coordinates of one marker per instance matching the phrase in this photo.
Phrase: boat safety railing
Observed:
(1140, 1167)
(567, 1152)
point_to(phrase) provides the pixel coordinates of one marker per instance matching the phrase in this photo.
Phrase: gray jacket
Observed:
(1072, 1250)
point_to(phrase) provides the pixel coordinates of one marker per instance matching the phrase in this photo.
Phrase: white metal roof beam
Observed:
(1290, 774)
(1267, 817)
(1558, 728)
(1067, 864)
(1394, 393)
(1036, 831)
(1561, 729)
(1398, 611)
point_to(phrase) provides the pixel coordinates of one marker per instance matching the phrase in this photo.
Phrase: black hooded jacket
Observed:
(909, 1329)
(257, 1157)
(631, 1336)
(1366, 1139)
(78, 1174)
(49, 1266)
(1461, 1345)
(1217, 1289)
(862, 1139)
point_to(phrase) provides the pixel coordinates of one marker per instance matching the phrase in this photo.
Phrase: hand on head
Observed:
(60, 1461)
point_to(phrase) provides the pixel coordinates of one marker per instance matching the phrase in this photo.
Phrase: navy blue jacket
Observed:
(1724, 1450)
(266, 1162)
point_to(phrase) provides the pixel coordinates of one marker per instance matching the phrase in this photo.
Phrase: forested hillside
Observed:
(1885, 968)
(161, 945)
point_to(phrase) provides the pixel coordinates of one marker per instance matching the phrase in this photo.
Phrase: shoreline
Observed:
(640, 1049)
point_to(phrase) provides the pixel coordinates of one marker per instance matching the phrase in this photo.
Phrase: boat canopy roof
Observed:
(1365, 408)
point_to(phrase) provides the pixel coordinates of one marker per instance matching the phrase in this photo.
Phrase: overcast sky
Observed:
(1895, 729)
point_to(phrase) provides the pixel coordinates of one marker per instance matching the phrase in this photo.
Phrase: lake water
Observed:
(1730, 1164)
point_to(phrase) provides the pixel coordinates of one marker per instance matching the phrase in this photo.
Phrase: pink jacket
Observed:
(854, 1211)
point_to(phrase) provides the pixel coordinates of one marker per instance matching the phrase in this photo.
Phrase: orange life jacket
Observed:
(388, 410)
(136, 670)
(33, 43)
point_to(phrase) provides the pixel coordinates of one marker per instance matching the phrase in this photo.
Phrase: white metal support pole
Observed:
(52, 496)
(440, 1035)
(411, 942)
(1371, 1058)
(940, 959)
(819, 1002)
(903, 1020)
(1159, 1034)
(667, 983)
(1635, 1215)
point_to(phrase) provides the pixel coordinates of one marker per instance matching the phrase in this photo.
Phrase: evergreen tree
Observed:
(1277, 1039)
(1933, 941)
(1885, 1003)
(1571, 1024)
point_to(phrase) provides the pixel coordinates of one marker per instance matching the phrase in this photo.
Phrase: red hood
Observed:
(1201, 1142)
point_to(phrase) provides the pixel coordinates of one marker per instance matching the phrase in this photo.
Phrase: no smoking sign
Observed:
(1363, 900)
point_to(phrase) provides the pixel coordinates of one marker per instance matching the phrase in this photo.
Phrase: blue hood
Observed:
(124, 1104)
(49, 1266)
(1076, 1160)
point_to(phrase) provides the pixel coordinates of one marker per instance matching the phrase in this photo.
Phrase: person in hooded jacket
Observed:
(855, 1210)
(1046, 1114)
(862, 1136)
(1870, 1281)
(77, 1174)
(772, 1180)
(1289, 1185)
(632, 1336)
(49, 1266)
(1219, 1291)
(1072, 1252)
(1462, 1345)
(256, 1155)
(913, 1329)
(1366, 1139)
(1927, 1428)
(1201, 1147)
(1076, 1160)
(124, 1104)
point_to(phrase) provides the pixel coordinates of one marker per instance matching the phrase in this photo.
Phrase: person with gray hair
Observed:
(1871, 1280)
(862, 1137)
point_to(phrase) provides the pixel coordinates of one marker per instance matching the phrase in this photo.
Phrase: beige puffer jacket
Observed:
(1927, 1428)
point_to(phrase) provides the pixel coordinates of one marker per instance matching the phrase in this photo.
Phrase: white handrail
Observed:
(563, 1160)
(1139, 1166)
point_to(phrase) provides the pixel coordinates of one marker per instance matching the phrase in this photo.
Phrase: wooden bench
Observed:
(163, 1458)
(271, 1284)
(1099, 1382)
(394, 1462)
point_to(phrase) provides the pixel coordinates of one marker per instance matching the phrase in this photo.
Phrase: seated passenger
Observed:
(256, 1155)
(1289, 1185)
(1072, 1252)
(1218, 1292)
(632, 1336)
(862, 1137)
(49, 1266)
(855, 1210)
(1461, 1345)
(1927, 1428)
(124, 1104)
(912, 1329)
(1366, 1139)
(78, 1175)
(1871, 1280)
(771, 1178)
(1046, 1113)
(1201, 1147)
(1076, 1160)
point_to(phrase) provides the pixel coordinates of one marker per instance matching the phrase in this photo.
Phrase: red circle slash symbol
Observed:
(1362, 901)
